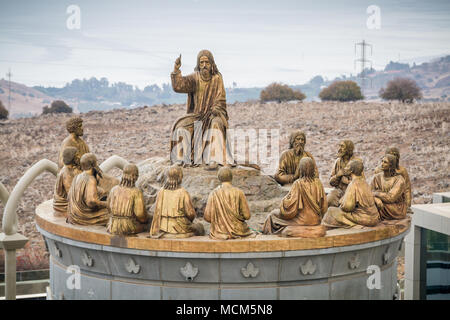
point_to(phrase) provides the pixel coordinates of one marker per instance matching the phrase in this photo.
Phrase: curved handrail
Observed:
(12, 202)
(113, 162)
(9, 215)
(4, 194)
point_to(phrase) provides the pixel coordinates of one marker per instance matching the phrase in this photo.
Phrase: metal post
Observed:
(10, 243)
(9, 74)
(10, 274)
(363, 61)
(10, 240)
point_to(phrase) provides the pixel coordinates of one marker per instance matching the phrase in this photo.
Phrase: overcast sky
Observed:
(254, 42)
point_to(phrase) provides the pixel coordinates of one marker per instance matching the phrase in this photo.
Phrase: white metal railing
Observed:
(10, 240)
(4, 194)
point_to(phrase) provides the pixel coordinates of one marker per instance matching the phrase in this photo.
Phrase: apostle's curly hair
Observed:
(209, 55)
(73, 123)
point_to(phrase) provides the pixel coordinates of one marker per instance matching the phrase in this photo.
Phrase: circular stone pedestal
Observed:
(89, 263)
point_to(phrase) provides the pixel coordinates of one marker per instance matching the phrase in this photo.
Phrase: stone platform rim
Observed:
(219, 255)
(97, 236)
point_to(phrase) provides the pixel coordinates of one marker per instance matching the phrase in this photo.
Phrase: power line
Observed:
(363, 62)
(9, 74)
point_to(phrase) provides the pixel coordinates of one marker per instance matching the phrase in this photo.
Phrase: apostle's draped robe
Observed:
(339, 184)
(289, 165)
(63, 182)
(77, 143)
(173, 215)
(304, 205)
(204, 97)
(83, 199)
(226, 210)
(127, 209)
(392, 194)
(357, 207)
(404, 173)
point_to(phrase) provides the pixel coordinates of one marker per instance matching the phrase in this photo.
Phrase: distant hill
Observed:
(432, 77)
(25, 101)
(93, 94)
(98, 94)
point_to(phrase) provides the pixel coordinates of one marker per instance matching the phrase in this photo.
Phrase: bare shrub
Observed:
(3, 112)
(57, 106)
(341, 91)
(280, 92)
(401, 89)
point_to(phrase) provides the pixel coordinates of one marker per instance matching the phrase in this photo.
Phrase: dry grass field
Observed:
(420, 131)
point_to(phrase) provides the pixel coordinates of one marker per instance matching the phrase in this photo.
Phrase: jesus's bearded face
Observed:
(205, 67)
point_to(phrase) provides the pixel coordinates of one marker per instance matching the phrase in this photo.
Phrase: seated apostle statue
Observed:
(289, 160)
(174, 213)
(126, 206)
(338, 178)
(85, 205)
(302, 208)
(357, 206)
(75, 128)
(227, 209)
(401, 171)
(64, 181)
(389, 189)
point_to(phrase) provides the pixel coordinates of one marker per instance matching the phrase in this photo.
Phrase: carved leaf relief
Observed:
(132, 267)
(354, 262)
(308, 268)
(87, 259)
(189, 271)
(250, 271)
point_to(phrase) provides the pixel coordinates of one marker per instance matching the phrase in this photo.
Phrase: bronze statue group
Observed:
(85, 195)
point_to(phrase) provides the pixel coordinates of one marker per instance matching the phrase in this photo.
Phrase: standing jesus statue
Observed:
(199, 137)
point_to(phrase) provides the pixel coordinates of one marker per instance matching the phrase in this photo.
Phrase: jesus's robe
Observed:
(202, 131)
